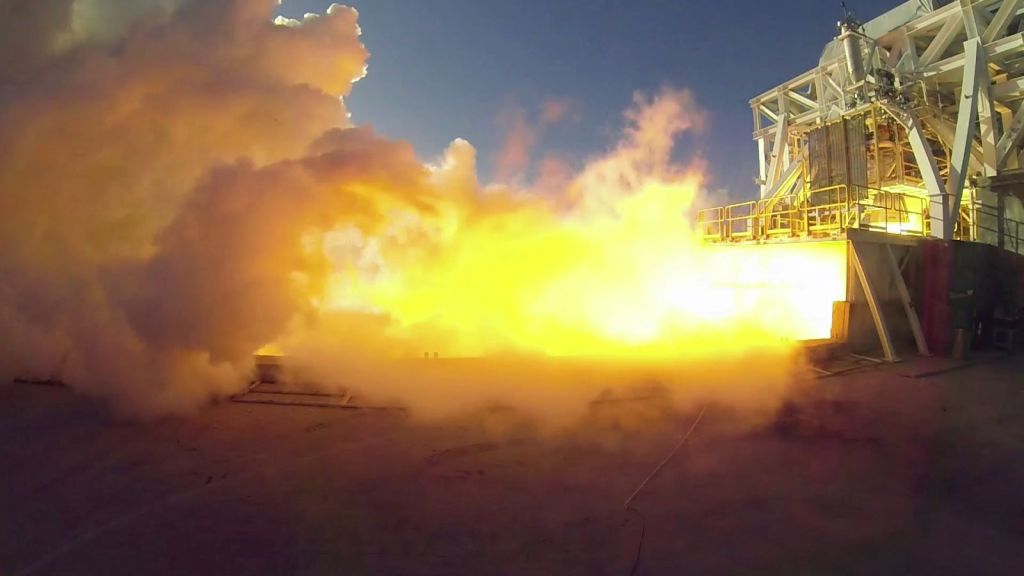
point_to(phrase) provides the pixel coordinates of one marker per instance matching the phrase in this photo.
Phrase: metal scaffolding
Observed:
(891, 130)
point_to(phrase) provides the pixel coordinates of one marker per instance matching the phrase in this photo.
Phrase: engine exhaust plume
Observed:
(187, 188)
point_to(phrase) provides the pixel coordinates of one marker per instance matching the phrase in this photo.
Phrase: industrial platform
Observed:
(904, 142)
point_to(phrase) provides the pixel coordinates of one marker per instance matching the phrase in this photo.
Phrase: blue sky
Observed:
(441, 69)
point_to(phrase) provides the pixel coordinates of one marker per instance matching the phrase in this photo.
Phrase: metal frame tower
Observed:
(898, 129)
(906, 135)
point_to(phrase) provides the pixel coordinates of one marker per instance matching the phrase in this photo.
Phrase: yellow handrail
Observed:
(819, 213)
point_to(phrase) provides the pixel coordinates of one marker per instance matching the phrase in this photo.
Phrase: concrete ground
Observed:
(867, 473)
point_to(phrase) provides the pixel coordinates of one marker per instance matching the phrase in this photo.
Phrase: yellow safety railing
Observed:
(825, 212)
(1013, 235)
(895, 213)
(986, 225)
(741, 220)
(711, 222)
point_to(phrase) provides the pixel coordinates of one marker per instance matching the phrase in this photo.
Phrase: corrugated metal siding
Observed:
(817, 158)
(857, 156)
(836, 134)
(837, 154)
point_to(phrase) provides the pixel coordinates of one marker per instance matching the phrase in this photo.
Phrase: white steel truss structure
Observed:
(937, 88)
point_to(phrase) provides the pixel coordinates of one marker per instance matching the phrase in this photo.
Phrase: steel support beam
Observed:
(1012, 137)
(987, 124)
(802, 100)
(908, 304)
(942, 40)
(970, 19)
(997, 27)
(1004, 47)
(946, 131)
(778, 150)
(932, 19)
(939, 199)
(974, 70)
(876, 309)
(786, 182)
(973, 24)
(908, 59)
(762, 164)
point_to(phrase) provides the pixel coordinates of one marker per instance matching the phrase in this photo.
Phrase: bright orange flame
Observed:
(626, 276)
(604, 265)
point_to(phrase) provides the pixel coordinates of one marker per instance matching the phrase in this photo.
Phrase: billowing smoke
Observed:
(115, 138)
(181, 186)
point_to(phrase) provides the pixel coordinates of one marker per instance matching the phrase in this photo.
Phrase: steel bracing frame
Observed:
(870, 294)
(955, 71)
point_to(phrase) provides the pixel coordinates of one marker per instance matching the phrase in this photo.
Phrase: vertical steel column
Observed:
(974, 65)
(938, 207)
(779, 145)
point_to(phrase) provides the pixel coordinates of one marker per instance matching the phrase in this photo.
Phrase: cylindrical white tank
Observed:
(852, 48)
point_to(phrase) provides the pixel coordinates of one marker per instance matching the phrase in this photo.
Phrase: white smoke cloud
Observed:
(171, 170)
(110, 139)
